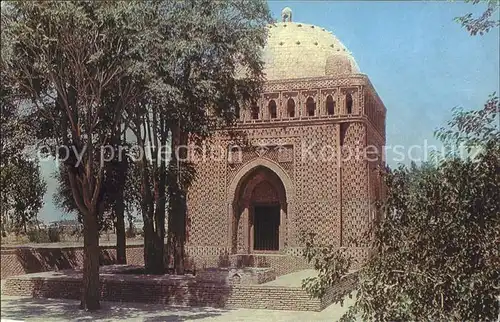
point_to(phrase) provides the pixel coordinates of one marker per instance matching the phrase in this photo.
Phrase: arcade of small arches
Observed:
(329, 108)
(330, 103)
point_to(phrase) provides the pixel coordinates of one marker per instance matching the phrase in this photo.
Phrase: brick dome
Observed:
(298, 50)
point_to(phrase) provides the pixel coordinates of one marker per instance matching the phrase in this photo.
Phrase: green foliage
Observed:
(199, 64)
(132, 191)
(472, 129)
(71, 63)
(23, 189)
(436, 250)
(89, 70)
(63, 196)
(38, 236)
(54, 234)
(330, 262)
(21, 182)
(485, 22)
(131, 232)
(119, 176)
(44, 235)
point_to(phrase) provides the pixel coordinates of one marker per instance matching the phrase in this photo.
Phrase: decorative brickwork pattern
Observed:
(322, 158)
(355, 199)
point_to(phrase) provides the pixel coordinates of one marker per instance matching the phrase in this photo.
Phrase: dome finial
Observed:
(286, 15)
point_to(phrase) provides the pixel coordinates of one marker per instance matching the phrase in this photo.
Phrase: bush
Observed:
(38, 236)
(54, 234)
(131, 232)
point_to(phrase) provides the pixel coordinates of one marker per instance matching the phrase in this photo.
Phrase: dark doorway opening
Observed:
(266, 227)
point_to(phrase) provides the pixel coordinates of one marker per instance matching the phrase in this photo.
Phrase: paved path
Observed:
(29, 309)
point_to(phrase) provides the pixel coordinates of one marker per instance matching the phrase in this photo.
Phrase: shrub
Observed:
(54, 234)
(38, 236)
(131, 232)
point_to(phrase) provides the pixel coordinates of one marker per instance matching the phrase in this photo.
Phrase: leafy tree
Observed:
(115, 180)
(435, 252)
(21, 183)
(71, 63)
(194, 52)
(23, 189)
(63, 199)
(171, 66)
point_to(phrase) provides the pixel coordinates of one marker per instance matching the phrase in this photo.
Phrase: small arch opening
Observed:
(254, 111)
(290, 107)
(310, 106)
(348, 103)
(330, 105)
(272, 109)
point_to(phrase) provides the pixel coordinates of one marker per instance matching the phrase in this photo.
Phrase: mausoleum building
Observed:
(310, 165)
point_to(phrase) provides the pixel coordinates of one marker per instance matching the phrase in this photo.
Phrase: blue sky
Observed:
(420, 61)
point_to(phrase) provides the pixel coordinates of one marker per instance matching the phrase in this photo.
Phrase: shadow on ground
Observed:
(21, 308)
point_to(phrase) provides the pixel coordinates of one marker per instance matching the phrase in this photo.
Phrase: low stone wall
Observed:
(282, 264)
(346, 285)
(234, 276)
(25, 260)
(183, 291)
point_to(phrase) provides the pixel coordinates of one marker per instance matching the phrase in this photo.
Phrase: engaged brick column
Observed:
(243, 232)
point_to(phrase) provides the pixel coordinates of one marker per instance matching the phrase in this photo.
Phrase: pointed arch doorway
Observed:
(259, 213)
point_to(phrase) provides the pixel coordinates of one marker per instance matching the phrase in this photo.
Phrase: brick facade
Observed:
(320, 169)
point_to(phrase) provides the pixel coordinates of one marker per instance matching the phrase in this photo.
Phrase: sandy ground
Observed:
(28, 309)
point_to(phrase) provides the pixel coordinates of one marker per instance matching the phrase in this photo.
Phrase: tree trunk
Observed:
(147, 208)
(159, 238)
(177, 200)
(121, 171)
(179, 231)
(131, 228)
(91, 289)
(179, 256)
(121, 254)
(149, 243)
(153, 248)
(160, 218)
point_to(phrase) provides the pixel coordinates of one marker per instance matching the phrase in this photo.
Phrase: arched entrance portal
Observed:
(259, 212)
